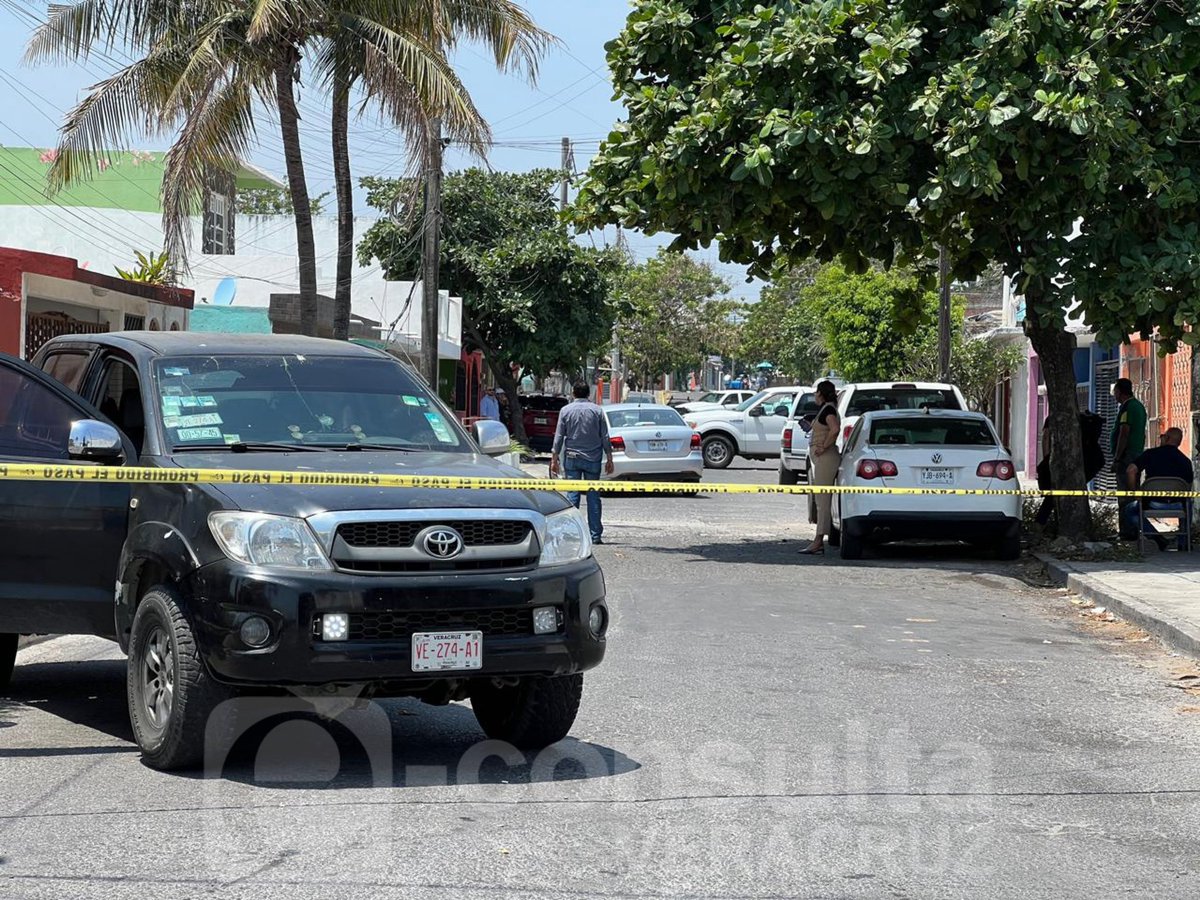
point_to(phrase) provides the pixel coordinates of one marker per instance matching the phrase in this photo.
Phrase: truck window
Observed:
(121, 401)
(34, 421)
(67, 367)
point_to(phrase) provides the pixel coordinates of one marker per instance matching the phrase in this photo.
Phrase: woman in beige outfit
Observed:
(822, 446)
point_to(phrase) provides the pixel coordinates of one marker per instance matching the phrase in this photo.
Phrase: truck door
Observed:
(60, 541)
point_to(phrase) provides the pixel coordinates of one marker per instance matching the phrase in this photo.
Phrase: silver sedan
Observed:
(652, 441)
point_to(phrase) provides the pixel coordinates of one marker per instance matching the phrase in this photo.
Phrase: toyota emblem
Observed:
(937, 458)
(442, 543)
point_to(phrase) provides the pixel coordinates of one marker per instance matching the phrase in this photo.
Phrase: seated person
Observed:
(1164, 461)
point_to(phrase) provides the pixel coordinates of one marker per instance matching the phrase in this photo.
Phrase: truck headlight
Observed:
(566, 539)
(262, 540)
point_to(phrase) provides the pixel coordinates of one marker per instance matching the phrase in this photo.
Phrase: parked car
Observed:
(793, 446)
(652, 441)
(432, 593)
(856, 399)
(540, 415)
(714, 400)
(641, 397)
(752, 429)
(920, 449)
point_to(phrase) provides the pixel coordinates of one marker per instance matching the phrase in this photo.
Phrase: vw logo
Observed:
(442, 543)
(937, 457)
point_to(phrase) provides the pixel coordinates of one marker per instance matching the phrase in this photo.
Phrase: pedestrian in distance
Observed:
(489, 406)
(1091, 426)
(1129, 431)
(580, 447)
(505, 409)
(826, 458)
(1164, 461)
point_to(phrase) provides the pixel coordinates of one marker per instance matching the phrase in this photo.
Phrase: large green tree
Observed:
(781, 330)
(1054, 137)
(533, 297)
(676, 312)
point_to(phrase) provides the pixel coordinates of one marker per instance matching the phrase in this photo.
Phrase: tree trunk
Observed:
(345, 204)
(306, 251)
(1055, 347)
(503, 375)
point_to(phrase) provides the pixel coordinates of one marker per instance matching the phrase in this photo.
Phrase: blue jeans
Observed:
(584, 470)
(1129, 518)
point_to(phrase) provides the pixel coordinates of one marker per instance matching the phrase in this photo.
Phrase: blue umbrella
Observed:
(764, 365)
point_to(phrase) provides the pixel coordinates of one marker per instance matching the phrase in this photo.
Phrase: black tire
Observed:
(8, 658)
(851, 546)
(787, 476)
(1009, 547)
(536, 713)
(169, 730)
(718, 451)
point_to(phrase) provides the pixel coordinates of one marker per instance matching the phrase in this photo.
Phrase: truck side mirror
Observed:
(95, 441)
(492, 437)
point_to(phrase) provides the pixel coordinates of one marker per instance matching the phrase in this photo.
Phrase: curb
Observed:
(1175, 633)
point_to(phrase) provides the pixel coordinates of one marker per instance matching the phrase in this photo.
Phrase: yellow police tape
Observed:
(142, 475)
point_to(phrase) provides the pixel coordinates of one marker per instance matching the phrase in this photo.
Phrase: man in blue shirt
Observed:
(489, 406)
(1164, 461)
(580, 443)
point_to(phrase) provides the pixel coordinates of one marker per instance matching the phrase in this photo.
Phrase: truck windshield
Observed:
(312, 400)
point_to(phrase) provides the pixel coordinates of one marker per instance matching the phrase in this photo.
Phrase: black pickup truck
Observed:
(219, 589)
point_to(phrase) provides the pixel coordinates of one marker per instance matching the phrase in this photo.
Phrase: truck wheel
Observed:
(8, 658)
(851, 546)
(170, 693)
(534, 714)
(787, 476)
(718, 451)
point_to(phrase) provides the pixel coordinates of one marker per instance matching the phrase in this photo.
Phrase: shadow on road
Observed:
(786, 552)
(281, 744)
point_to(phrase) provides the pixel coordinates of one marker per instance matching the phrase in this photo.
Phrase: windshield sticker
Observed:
(232, 438)
(172, 389)
(410, 400)
(176, 371)
(207, 400)
(186, 402)
(171, 405)
(196, 421)
(170, 421)
(439, 428)
(198, 434)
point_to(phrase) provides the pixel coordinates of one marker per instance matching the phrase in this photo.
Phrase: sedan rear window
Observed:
(875, 399)
(660, 416)
(930, 430)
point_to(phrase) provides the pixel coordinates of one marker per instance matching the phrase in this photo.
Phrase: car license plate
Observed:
(937, 477)
(658, 446)
(540, 420)
(441, 651)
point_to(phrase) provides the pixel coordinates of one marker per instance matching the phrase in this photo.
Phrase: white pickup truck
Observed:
(752, 429)
(793, 449)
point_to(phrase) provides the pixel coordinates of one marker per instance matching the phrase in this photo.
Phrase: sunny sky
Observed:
(572, 98)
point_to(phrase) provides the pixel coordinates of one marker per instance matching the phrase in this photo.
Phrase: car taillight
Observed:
(997, 468)
(787, 439)
(695, 440)
(846, 432)
(617, 443)
(876, 468)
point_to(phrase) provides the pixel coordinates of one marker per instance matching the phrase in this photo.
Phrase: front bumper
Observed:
(902, 525)
(223, 594)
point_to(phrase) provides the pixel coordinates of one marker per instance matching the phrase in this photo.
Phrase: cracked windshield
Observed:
(610, 450)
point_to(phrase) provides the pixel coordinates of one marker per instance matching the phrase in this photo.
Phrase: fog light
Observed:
(596, 620)
(545, 620)
(255, 631)
(335, 627)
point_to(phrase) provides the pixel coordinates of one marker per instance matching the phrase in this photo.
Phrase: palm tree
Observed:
(397, 52)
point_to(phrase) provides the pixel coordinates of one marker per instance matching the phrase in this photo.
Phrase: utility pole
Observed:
(431, 253)
(568, 160)
(944, 315)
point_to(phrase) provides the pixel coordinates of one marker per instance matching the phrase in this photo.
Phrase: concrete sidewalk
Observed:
(1160, 594)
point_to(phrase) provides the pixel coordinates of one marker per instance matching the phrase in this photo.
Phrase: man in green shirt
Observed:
(1129, 431)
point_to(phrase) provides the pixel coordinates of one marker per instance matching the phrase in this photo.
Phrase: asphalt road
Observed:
(919, 725)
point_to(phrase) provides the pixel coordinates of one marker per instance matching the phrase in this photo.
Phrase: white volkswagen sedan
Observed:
(652, 441)
(934, 448)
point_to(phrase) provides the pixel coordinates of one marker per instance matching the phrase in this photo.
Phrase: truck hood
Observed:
(719, 414)
(308, 500)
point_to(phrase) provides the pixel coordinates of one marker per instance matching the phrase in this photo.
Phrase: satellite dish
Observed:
(225, 292)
